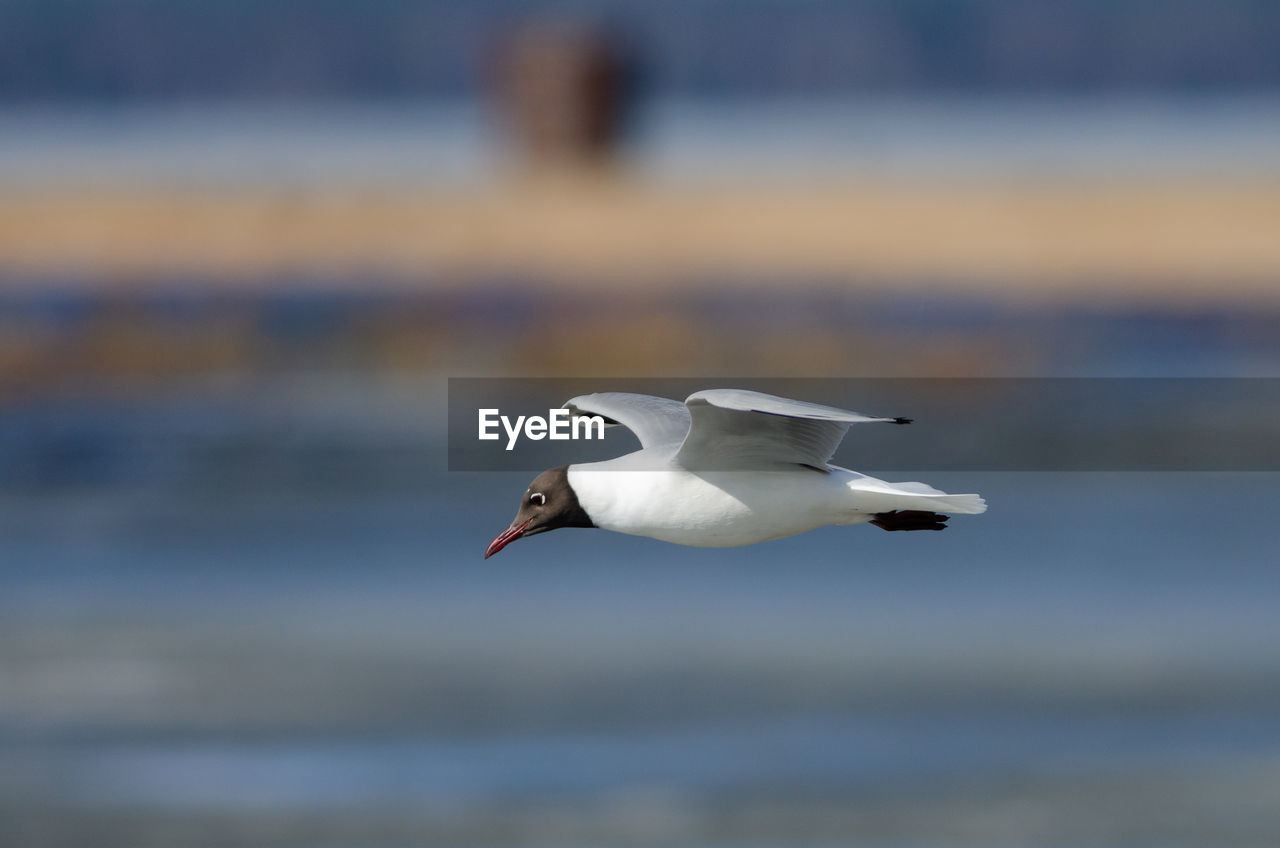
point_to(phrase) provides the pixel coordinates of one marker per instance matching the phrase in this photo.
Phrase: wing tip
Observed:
(903, 420)
(577, 411)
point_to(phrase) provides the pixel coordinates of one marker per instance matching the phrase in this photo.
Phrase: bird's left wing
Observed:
(736, 429)
(656, 421)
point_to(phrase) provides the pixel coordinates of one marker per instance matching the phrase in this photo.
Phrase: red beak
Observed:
(506, 537)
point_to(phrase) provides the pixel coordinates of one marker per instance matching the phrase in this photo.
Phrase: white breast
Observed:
(709, 509)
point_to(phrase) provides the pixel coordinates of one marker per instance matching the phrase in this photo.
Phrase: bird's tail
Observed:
(872, 496)
(968, 504)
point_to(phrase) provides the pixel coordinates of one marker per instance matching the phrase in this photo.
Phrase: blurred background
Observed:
(244, 244)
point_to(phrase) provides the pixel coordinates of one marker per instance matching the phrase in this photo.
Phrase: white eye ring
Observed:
(538, 498)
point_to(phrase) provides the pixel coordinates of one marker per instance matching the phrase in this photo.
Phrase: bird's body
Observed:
(726, 468)
(718, 509)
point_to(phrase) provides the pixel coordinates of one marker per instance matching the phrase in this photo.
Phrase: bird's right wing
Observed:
(736, 429)
(656, 421)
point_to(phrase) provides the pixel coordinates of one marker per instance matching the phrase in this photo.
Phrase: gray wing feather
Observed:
(740, 429)
(656, 421)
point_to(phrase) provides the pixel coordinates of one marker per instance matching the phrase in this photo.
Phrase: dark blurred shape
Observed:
(563, 90)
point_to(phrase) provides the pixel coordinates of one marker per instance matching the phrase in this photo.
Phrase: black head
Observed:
(548, 503)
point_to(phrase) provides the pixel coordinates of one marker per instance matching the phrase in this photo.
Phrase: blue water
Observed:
(327, 651)
(253, 611)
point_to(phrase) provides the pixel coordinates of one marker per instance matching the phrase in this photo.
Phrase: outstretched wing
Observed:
(656, 421)
(737, 429)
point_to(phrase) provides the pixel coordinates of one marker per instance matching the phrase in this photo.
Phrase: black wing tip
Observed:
(903, 420)
(578, 412)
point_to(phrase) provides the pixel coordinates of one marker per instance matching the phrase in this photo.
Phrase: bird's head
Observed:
(547, 504)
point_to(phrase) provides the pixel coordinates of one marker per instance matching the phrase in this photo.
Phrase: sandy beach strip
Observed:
(1139, 239)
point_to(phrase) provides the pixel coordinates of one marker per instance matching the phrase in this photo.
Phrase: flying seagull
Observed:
(726, 467)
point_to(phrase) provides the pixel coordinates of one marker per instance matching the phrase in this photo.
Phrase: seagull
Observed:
(726, 467)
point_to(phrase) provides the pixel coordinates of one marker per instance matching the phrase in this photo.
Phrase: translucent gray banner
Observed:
(962, 424)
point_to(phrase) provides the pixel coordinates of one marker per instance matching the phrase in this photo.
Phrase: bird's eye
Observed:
(538, 498)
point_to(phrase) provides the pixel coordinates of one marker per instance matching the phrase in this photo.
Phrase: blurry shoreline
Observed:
(1171, 199)
(1190, 241)
(68, 337)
